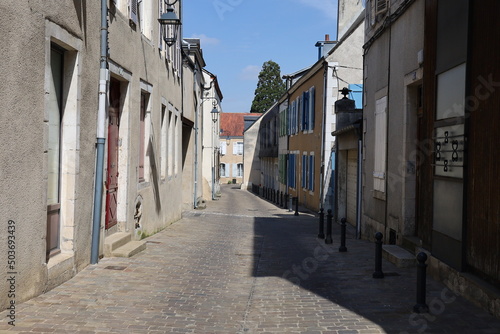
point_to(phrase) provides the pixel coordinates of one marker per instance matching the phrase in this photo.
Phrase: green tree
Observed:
(270, 87)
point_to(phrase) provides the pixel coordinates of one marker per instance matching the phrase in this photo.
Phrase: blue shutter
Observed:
(311, 172)
(305, 111)
(312, 107)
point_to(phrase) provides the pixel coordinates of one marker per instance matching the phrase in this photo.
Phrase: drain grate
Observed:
(115, 267)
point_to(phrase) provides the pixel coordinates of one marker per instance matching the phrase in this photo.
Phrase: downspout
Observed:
(359, 187)
(101, 137)
(323, 136)
(195, 198)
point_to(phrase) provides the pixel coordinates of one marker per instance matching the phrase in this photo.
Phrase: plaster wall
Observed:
(143, 67)
(388, 62)
(24, 134)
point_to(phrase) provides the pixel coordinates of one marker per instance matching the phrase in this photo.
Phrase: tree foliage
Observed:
(270, 87)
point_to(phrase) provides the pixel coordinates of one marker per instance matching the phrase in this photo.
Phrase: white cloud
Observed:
(327, 7)
(251, 72)
(205, 40)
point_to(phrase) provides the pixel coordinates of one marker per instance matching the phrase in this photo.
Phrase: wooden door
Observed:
(113, 144)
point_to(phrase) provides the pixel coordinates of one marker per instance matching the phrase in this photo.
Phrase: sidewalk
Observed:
(243, 265)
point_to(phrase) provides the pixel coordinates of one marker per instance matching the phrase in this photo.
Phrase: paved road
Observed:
(243, 265)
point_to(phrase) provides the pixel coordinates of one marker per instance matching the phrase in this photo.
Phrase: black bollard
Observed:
(321, 233)
(421, 306)
(281, 199)
(378, 256)
(296, 206)
(329, 217)
(342, 247)
(286, 201)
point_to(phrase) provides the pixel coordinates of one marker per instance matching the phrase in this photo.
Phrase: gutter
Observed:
(101, 136)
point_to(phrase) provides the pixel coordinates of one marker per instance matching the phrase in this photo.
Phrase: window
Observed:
(223, 147)
(238, 148)
(54, 148)
(170, 144)
(380, 144)
(292, 168)
(142, 136)
(62, 137)
(223, 170)
(381, 6)
(238, 170)
(163, 149)
(312, 106)
(133, 11)
(177, 142)
(303, 180)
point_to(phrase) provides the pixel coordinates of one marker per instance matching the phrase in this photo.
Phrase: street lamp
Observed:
(215, 116)
(171, 22)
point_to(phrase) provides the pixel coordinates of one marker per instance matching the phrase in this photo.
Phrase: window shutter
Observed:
(133, 6)
(380, 144)
(235, 170)
(303, 181)
(381, 6)
(312, 108)
(223, 148)
(311, 172)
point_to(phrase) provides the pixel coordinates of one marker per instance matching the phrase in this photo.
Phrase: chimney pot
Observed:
(327, 37)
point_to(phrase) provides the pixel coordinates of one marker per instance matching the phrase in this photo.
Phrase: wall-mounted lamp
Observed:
(170, 22)
(215, 114)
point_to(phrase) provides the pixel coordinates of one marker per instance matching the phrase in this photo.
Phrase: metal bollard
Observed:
(286, 201)
(281, 199)
(378, 256)
(342, 247)
(421, 306)
(321, 233)
(296, 206)
(329, 217)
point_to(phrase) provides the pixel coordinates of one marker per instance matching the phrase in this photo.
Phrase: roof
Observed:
(233, 124)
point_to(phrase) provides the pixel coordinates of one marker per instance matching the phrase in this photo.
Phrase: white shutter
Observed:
(133, 8)
(235, 170)
(380, 144)
(223, 147)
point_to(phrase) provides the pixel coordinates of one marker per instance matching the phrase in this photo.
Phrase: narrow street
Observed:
(243, 265)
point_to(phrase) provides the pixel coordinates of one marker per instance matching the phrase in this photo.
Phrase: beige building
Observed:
(231, 147)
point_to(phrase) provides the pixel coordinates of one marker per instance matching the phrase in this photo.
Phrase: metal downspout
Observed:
(101, 137)
(323, 136)
(196, 125)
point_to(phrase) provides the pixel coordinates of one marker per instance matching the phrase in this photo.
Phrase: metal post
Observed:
(378, 256)
(421, 306)
(296, 206)
(286, 200)
(321, 233)
(328, 239)
(342, 247)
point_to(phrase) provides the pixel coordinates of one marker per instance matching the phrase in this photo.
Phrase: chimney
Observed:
(327, 38)
(324, 46)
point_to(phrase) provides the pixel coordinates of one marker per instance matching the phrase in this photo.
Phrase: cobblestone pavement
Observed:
(241, 266)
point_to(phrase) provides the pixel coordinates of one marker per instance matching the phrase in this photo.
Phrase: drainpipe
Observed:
(101, 138)
(195, 198)
(323, 136)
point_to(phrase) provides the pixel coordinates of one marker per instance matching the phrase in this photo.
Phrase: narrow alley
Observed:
(243, 265)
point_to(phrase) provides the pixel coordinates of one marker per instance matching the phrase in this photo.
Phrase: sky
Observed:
(238, 36)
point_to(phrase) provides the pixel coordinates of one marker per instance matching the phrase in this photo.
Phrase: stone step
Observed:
(400, 257)
(129, 249)
(115, 241)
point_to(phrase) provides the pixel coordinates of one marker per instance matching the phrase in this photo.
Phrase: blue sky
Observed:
(238, 36)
